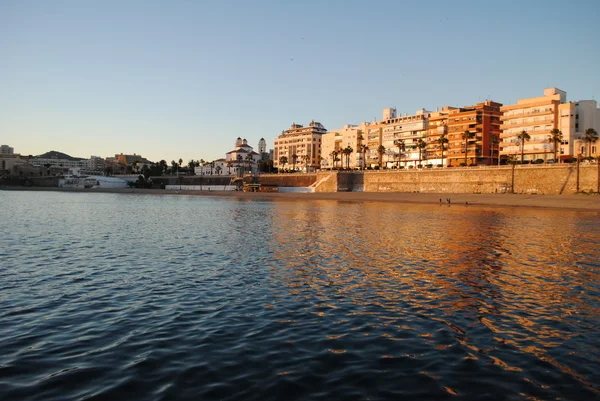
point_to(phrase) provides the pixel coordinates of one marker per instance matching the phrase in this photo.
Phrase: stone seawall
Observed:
(288, 180)
(560, 179)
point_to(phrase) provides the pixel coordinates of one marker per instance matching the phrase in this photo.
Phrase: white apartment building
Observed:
(94, 163)
(408, 129)
(575, 119)
(337, 140)
(391, 129)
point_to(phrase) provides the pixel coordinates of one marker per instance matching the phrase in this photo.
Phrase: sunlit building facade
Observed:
(537, 116)
(348, 137)
(300, 146)
(482, 121)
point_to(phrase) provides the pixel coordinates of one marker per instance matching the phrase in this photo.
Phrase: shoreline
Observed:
(589, 203)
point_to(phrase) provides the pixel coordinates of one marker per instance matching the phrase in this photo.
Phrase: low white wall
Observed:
(296, 189)
(200, 187)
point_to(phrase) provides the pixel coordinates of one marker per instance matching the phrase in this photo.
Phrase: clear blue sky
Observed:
(171, 79)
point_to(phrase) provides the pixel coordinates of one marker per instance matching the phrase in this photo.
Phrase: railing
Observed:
(435, 168)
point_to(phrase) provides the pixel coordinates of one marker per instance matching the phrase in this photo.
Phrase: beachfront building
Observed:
(404, 138)
(372, 140)
(470, 130)
(349, 137)
(437, 126)
(6, 150)
(537, 116)
(574, 119)
(401, 139)
(299, 147)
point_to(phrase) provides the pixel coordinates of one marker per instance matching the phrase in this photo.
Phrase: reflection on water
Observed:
(149, 297)
(510, 288)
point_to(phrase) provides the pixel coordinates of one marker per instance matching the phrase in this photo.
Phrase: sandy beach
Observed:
(579, 202)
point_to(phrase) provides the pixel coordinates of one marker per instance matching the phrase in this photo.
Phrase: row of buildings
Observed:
(56, 164)
(411, 140)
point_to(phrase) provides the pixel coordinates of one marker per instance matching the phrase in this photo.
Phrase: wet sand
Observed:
(565, 202)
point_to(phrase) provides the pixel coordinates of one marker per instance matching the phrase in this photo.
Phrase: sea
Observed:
(175, 297)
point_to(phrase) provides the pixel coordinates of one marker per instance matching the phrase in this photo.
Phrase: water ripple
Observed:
(157, 297)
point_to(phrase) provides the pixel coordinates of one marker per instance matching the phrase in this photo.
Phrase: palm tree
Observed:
(401, 148)
(229, 164)
(421, 144)
(294, 160)
(522, 137)
(180, 161)
(466, 136)
(555, 137)
(590, 136)
(305, 161)
(283, 161)
(173, 167)
(364, 149)
(250, 160)
(381, 152)
(442, 141)
(191, 164)
(212, 165)
(347, 151)
(333, 155)
(239, 159)
(494, 140)
(163, 165)
(218, 170)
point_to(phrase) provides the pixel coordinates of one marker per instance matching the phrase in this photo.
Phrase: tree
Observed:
(173, 167)
(145, 171)
(421, 144)
(239, 159)
(590, 136)
(294, 160)
(229, 164)
(362, 149)
(494, 140)
(466, 136)
(305, 159)
(163, 165)
(401, 148)
(347, 151)
(212, 165)
(249, 159)
(283, 161)
(556, 136)
(381, 152)
(333, 155)
(191, 164)
(522, 137)
(442, 141)
(218, 170)
(180, 162)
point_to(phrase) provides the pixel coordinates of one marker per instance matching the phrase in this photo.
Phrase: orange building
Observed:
(483, 122)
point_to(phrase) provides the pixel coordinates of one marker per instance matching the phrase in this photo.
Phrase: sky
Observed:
(184, 79)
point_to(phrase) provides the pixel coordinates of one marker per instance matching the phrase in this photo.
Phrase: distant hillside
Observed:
(53, 154)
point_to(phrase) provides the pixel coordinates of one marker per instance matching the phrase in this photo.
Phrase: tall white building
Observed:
(575, 118)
